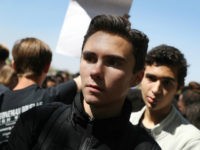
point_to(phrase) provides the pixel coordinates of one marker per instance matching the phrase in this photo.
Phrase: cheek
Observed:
(118, 81)
(168, 97)
(84, 72)
(145, 86)
(170, 93)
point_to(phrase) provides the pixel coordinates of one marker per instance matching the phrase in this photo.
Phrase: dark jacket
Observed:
(13, 103)
(76, 131)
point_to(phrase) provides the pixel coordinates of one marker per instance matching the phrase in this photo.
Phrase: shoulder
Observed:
(30, 124)
(193, 133)
(142, 139)
(41, 112)
(185, 132)
(35, 118)
(3, 88)
(189, 136)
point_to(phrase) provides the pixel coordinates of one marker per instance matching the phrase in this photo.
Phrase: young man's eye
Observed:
(113, 63)
(151, 78)
(167, 83)
(89, 57)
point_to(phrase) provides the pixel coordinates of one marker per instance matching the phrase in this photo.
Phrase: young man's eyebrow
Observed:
(169, 78)
(87, 52)
(119, 58)
(164, 78)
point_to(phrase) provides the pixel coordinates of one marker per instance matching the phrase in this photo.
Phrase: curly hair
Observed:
(170, 56)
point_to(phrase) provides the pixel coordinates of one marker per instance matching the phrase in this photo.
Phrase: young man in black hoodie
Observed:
(112, 61)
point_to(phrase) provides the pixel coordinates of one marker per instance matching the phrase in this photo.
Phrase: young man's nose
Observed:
(97, 69)
(157, 87)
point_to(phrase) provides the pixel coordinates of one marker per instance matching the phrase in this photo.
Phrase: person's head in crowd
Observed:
(165, 72)
(63, 75)
(194, 85)
(4, 54)
(59, 78)
(112, 65)
(49, 81)
(136, 37)
(31, 58)
(192, 113)
(189, 94)
(164, 75)
(8, 77)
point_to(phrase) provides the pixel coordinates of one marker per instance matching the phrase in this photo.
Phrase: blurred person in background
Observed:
(4, 54)
(189, 103)
(31, 61)
(49, 81)
(8, 77)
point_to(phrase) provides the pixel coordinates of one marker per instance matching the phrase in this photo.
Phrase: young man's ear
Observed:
(137, 78)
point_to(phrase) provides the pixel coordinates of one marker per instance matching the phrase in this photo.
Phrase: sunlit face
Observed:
(106, 69)
(159, 86)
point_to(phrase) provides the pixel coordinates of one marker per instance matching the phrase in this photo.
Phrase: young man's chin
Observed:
(90, 99)
(152, 106)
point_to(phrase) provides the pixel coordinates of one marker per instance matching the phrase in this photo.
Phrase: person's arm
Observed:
(64, 92)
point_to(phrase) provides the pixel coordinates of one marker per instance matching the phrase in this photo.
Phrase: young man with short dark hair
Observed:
(164, 75)
(111, 62)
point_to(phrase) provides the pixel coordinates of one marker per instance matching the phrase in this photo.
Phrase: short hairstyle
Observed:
(120, 25)
(31, 55)
(169, 56)
(8, 76)
(191, 93)
(193, 113)
(4, 52)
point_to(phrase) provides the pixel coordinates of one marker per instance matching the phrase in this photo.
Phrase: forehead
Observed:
(162, 71)
(109, 43)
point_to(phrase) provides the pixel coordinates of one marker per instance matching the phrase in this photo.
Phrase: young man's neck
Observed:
(103, 112)
(24, 82)
(153, 117)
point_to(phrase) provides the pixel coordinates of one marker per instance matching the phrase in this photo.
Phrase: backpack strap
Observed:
(50, 128)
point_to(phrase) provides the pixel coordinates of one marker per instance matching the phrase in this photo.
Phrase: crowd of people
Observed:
(188, 102)
(123, 98)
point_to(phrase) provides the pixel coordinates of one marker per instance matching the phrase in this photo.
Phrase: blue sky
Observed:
(170, 22)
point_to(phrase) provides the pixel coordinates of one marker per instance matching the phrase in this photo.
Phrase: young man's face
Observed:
(106, 69)
(159, 86)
